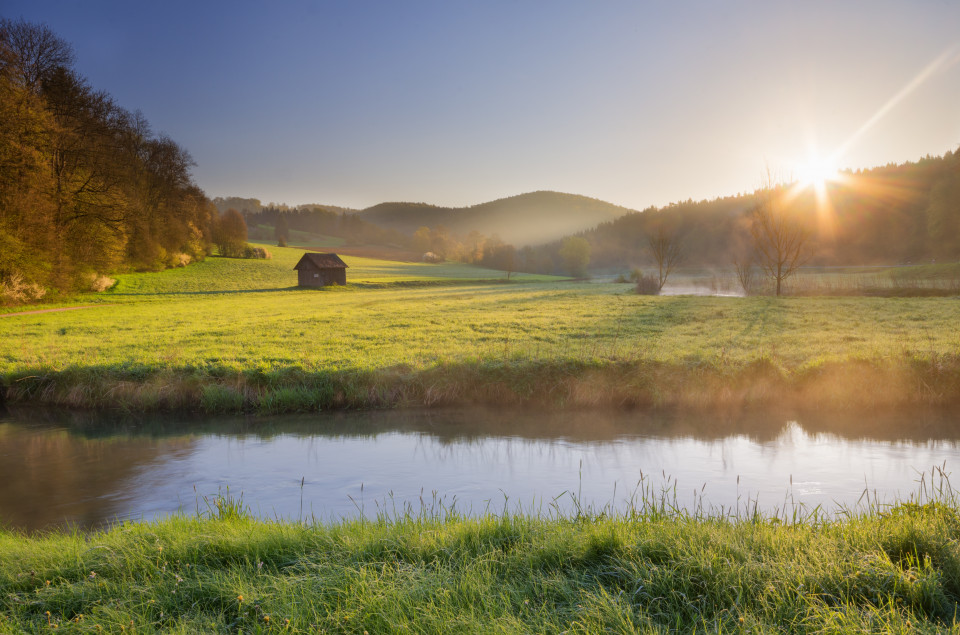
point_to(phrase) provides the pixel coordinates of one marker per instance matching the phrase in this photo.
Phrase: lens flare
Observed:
(816, 172)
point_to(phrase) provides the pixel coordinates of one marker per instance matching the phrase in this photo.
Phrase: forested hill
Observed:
(86, 187)
(536, 217)
(885, 215)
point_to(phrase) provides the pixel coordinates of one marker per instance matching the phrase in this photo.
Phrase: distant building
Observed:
(319, 270)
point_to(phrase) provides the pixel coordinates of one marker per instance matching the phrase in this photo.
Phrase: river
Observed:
(61, 468)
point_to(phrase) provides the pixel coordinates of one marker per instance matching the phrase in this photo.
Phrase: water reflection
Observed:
(60, 468)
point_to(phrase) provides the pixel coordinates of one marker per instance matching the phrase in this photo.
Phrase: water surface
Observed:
(63, 468)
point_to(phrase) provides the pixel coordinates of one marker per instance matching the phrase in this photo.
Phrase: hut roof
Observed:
(321, 261)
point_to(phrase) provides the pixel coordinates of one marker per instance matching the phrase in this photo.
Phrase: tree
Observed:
(85, 187)
(421, 240)
(35, 51)
(441, 242)
(474, 247)
(667, 249)
(230, 234)
(943, 211)
(281, 230)
(575, 252)
(501, 256)
(779, 239)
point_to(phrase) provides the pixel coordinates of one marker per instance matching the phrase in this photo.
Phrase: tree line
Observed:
(86, 186)
(317, 219)
(893, 214)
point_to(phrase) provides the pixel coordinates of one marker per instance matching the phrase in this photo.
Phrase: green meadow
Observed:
(229, 335)
(655, 569)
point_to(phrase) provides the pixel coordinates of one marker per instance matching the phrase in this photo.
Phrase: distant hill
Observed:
(897, 213)
(533, 218)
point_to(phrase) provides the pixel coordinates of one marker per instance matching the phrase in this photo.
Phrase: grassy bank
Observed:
(229, 336)
(890, 570)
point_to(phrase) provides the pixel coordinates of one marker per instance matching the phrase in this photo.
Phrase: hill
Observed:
(531, 218)
(905, 213)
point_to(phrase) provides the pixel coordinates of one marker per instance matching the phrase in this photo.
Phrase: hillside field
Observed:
(231, 335)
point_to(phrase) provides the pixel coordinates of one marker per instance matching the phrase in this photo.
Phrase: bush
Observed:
(100, 283)
(634, 276)
(14, 290)
(258, 253)
(647, 284)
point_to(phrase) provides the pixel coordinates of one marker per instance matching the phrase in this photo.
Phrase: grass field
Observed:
(653, 570)
(233, 335)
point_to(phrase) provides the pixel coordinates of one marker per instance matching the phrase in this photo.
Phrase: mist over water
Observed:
(60, 469)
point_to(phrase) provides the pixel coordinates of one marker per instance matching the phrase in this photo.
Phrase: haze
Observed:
(354, 103)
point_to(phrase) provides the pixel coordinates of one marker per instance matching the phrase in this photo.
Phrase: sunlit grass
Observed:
(231, 331)
(655, 568)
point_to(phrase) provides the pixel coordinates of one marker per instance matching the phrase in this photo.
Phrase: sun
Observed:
(816, 172)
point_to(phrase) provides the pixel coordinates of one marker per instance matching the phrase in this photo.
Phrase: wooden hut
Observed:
(319, 270)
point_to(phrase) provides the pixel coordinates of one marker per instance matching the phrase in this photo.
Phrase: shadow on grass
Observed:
(211, 292)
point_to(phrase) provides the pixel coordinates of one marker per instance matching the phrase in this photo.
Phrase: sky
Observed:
(455, 103)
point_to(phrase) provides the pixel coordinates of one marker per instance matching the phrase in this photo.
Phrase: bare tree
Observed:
(779, 239)
(667, 249)
(35, 51)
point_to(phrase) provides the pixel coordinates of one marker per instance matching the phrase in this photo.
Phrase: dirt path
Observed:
(66, 308)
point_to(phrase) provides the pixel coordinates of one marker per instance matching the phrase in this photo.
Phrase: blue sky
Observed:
(353, 103)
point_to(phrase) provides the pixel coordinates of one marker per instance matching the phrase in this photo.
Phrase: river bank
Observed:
(556, 384)
(883, 569)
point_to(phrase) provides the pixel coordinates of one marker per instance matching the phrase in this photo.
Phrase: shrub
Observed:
(14, 290)
(100, 283)
(258, 253)
(648, 285)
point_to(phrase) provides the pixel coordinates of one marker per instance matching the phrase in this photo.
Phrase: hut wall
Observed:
(334, 276)
(305, 278)
(320, 277)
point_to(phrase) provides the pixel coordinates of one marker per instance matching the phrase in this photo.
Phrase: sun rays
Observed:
(817, 172)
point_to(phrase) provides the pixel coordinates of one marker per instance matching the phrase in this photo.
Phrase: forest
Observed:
(318, 220)
(86, 187)
(895, 214)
